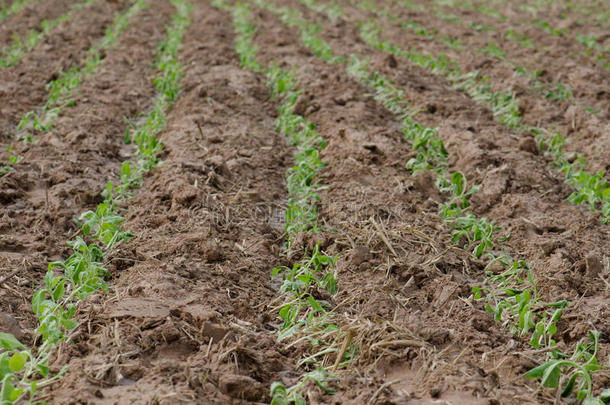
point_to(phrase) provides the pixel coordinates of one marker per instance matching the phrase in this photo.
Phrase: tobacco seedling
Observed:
(492, 49)
(16, 6)
(453, 43)
(574, 373)
(104, 224)
(587, 41)
(280, 395)
(333, 10)
(512, 295)
(301, 312)
(522, 39)
(61, 90)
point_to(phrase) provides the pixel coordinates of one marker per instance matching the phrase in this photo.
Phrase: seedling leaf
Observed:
(8, 341)
(538, 372)
(551, 375)
(16, 362)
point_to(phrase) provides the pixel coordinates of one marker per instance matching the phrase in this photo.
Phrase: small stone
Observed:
(435, 392)
(212, 252)
(359, 255)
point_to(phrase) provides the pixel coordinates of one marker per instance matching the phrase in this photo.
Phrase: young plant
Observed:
(574, 373)
(83, 273)
(494, 50)
(280, 395)
(510, 296)
(61, 90)
(305, 317)
(7, 10)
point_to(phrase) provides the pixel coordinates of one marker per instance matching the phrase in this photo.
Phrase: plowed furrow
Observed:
(192, 286)
(23, 87)
(64, 174)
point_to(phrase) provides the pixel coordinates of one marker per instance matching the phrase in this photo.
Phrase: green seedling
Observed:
(83, 273)
(453, 43)
(61, 91)
(510, 296)
(333, 10)
(560, 92)
(522, 39)
(480, 27)
(494, 50)
(18, 366)
(478, 233)
(7, 10)
(5, 169)
(301, 312)
(574, 373)
(590, 188)
(280, 395)
(55, 304)
(548, 27)
(104, 224)
(305, 318)
(418, 29)
(587, 41)
(13, 160)
(592, 110)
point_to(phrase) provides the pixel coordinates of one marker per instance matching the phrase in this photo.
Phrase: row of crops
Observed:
(55, 304)
(316, 326)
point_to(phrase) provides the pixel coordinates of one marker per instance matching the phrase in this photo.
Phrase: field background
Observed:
(429, 180)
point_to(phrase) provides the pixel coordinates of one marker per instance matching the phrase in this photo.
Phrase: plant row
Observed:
(552, 91)
(61, 91)
(24, 371)
(592, 189)
(13, 53)
(511, 295)
(307, 321)
(591, 42)
(15, 7)
(592, 48)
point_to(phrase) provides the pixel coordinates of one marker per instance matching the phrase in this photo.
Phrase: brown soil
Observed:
(30, 18)
(62, 174)
(518, 192)
(190, 315)
(22, 88)
(573, 22)
(588, 132)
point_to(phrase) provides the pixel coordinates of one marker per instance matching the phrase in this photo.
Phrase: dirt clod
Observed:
(241, 387)
(529, 145)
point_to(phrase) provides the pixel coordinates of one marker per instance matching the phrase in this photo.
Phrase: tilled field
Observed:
(394, 202)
